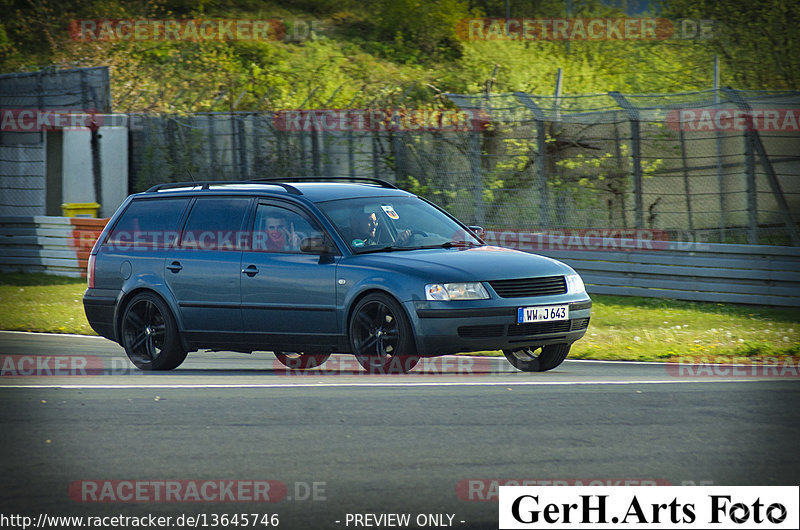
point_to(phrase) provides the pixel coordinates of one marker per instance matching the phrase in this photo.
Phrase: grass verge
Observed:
(622, 327)
(42, 302)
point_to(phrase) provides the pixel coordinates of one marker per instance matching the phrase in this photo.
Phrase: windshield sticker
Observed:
(358, 243)
(389, 209)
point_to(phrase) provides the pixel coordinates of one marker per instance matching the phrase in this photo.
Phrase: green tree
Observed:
(757, 40)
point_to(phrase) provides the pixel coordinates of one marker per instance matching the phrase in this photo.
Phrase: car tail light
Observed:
(90, 271)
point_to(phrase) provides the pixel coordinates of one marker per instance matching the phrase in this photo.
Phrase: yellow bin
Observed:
(80, 209)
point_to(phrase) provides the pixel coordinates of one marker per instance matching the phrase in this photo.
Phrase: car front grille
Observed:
(494, 330)
(523, 330)
(538, 328)
(524, 287)
(579, 323)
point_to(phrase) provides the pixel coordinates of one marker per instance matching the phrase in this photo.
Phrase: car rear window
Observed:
(148, 223)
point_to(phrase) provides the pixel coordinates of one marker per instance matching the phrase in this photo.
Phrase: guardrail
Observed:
(707, 272)
(55, 245)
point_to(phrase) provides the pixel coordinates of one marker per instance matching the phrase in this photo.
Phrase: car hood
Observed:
(470, 264)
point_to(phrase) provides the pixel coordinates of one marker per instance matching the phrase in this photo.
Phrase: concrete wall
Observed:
(25, 184)
(78, 183)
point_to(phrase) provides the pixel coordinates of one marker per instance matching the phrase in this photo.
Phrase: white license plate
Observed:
(542, 313)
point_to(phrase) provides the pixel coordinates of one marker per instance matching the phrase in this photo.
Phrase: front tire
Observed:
(149, 334)
(538, 359)
(301, 361)
(381, 336)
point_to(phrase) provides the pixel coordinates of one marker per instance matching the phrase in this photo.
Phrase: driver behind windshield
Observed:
(364, 230)
(363, 226)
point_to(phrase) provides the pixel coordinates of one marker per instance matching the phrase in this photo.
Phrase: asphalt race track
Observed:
(337, 441)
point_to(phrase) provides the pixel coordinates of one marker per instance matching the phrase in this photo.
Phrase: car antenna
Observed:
(191, 176)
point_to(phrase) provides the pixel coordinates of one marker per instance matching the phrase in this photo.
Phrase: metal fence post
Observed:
(375, 159)
(720, 177)
(256, 141)
(315, 155)
(541, 157)
(636, 147)
(212, 144)
(398, 148)
(754, 145)
(242, 143)
(475, 160)
(752, 190)
(686, 186)
(351, 156)
(476, 169)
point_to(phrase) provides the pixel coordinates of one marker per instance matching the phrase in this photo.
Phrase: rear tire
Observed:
(539, 359)
(300, 360)
(150, 335)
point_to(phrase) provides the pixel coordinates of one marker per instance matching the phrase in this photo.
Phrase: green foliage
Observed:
(407, 53)
(417, 30)
(372, 52)
(757, 40)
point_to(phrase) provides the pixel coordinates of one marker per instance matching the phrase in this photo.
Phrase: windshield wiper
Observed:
(390, 248)
(460, 244)
(447, 244)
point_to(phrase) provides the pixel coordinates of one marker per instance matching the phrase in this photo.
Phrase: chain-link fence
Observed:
(716, 166)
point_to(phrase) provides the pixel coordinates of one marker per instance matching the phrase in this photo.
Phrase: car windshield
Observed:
(377, 224)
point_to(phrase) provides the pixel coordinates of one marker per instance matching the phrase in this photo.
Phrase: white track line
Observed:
(73, 335)
(195, 386)
(491, 357)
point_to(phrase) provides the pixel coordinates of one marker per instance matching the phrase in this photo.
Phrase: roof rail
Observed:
(381, 182)
(206, 184)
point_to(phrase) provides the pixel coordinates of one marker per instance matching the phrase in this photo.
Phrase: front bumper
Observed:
(445, 330)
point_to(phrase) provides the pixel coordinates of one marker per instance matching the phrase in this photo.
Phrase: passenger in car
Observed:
(281, 235)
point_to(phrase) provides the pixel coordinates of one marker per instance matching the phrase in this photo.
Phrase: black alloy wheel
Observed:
(150, 335)
(381, 336)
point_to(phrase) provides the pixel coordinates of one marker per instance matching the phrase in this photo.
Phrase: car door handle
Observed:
(175, 266)
(251, 270)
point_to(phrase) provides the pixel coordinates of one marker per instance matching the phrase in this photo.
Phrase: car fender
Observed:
(397, 285)
(147, 282)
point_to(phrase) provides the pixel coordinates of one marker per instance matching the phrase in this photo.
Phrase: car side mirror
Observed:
(477, 230)
(316, 245)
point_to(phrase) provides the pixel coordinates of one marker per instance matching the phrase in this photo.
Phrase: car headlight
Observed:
(575, 284)
(456, 291)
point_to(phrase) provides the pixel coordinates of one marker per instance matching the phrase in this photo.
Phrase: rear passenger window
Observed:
(148, 223)
(215, 223)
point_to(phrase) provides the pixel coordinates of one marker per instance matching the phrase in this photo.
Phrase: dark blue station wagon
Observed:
(307, 268)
